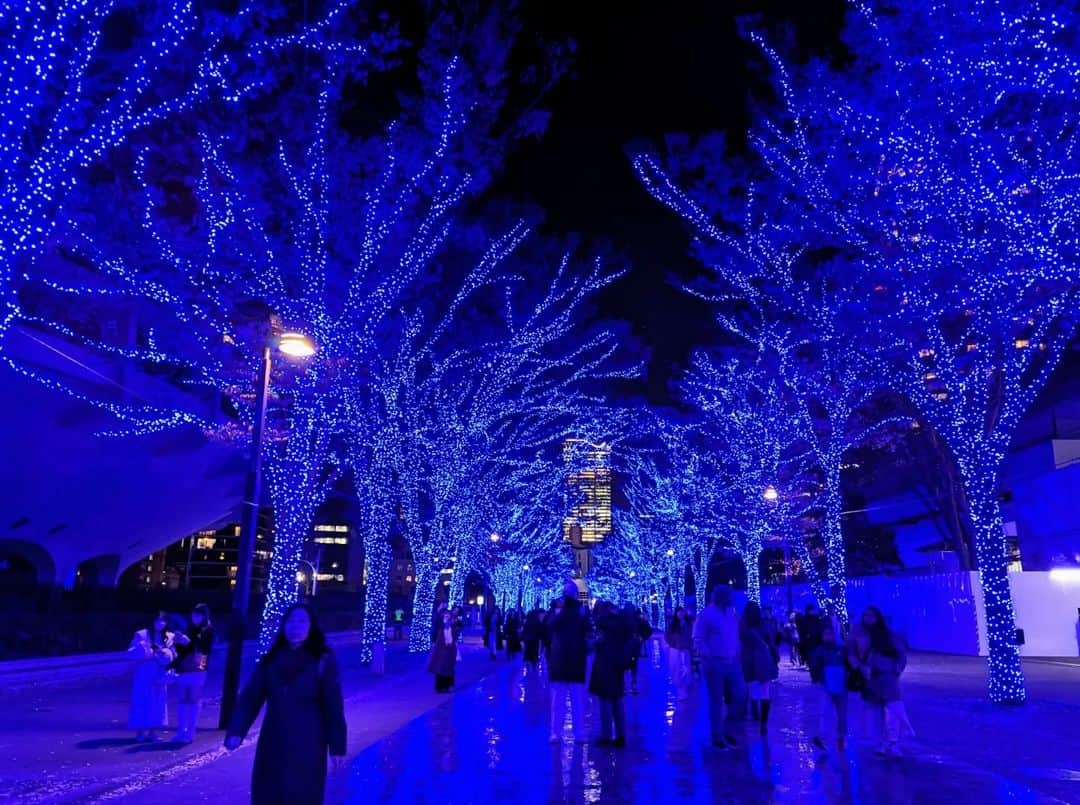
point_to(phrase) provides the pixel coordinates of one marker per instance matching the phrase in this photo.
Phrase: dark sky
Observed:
(644, 69)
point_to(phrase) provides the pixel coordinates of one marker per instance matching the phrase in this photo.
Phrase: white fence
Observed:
(944, 612)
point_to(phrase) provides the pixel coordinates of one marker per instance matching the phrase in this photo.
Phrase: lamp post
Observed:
(299, 346)
(771, 495)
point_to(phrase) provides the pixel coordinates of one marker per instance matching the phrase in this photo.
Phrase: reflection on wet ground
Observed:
(489, 743)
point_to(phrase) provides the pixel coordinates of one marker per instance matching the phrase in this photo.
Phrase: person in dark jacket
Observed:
(298, 679)
(568, 628)
(512, 630)
(642, 631)
(444, 651)
(191, 663)
(531, 633)
(760, 663)
(608, 681)
(809, 632)
(828, 669)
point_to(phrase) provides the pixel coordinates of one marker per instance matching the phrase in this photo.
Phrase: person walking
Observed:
(716, 640)
(399, 623)
(679, 639)
(791, 637)
(191, 664)
(608, 680)
(300, 684)
(512, 630)
(545, 629)
(152, 650)
(809, 625)
(760, 663)
(771, 627)
(568, 627)
(885, 664)
(444, 652)
(531, 633)
(828, 670)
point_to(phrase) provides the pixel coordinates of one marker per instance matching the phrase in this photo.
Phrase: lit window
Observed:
(205, 543)
(408, 578)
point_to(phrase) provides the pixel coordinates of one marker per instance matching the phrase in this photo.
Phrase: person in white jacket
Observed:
(152, 650)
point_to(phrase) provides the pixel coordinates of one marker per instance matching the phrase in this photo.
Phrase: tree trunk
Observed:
(752, 562)
(377, 558)
(1006, 674)
(427, 577)
(457, 582)
(294, 514)
(835, 550)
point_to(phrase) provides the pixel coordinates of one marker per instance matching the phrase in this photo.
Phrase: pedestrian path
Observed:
(489, 744)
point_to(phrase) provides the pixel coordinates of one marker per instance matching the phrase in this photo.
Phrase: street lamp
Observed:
(770, 494)
(295, 345)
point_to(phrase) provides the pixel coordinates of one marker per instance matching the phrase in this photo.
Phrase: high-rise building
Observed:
(588, 489)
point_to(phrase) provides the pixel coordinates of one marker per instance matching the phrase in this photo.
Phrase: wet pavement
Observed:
(489, 743)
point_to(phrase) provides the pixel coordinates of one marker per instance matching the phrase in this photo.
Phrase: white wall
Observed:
(944, 612)
(1046, 611)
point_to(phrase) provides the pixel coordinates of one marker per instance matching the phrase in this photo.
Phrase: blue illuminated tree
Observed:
(285, 214)
(751, 423)
(941, 168)
(483, 417)
(83, 77)
(772, 290)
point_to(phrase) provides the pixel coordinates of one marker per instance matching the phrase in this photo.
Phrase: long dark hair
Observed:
(315, 644)
(203, 610)
(158, 638)
(751, 615)
(674, 625)
(881, 641)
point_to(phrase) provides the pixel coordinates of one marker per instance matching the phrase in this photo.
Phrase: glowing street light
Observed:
(770, 493)
(495, 537)
(296, 345)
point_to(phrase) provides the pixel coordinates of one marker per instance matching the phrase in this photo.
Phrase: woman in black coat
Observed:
(608, 681)
(300, 683)
(531, 634)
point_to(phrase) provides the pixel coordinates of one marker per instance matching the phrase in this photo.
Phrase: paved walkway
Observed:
(489, 744)
(67, 741)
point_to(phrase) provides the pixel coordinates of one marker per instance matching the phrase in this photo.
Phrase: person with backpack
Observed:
(299, 682)
(614, 648)
(829, 670)
(568, 630)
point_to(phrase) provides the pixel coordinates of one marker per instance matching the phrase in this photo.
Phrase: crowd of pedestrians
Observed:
(735, 654)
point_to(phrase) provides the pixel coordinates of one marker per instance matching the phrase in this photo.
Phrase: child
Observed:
(828, 669)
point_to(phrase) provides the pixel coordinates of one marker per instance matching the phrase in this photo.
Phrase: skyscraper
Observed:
(588, 483)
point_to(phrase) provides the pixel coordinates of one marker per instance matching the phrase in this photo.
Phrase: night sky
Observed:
(644, 69)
